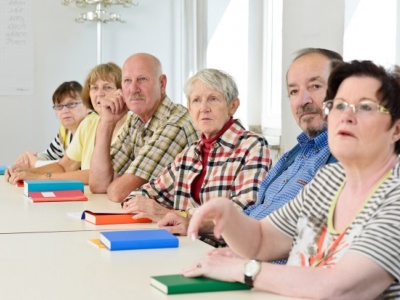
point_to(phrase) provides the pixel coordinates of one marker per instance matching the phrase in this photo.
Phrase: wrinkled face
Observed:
(71, 117)
(209, 109)
(99, 90)
(307, 81)
(365, 135)
(143, 87)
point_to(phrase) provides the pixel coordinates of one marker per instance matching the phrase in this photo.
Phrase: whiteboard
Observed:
(16, 47)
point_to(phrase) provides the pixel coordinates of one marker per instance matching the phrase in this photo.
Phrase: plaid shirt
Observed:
(238, 162)
(146, 149)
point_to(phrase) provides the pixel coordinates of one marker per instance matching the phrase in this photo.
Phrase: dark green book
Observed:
(178, 284)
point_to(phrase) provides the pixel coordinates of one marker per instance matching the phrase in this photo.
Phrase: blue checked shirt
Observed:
(290, 174)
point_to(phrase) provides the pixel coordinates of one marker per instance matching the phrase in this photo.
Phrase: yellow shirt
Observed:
(82, 145)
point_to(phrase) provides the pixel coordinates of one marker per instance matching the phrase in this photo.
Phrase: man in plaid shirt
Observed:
(156, 130)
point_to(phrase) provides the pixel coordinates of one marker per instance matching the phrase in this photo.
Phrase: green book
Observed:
(178, 284)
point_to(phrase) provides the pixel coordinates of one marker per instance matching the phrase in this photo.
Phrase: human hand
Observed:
(27, 159)
(113, 107)
(223, 251)
(218, 210)
(174, 223)
(145, 207)
(218, 267)
(18, 172)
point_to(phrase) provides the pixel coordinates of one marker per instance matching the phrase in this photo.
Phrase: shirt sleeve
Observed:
(380, 239)
(253, 170)
(55, 150)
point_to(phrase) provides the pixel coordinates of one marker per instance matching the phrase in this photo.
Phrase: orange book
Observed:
(112, 217)
(57, 196)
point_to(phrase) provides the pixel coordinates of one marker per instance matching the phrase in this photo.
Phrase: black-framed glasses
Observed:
(68, 105)
(364, 107)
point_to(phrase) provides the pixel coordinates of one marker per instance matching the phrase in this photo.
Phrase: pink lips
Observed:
(346, 133)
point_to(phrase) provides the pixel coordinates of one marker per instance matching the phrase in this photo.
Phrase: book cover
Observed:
(52, 185)
(57, 196)
(111, 217)
(178, 284)
(97, 243)
(2, 170)
(139, 239)
(19, 183)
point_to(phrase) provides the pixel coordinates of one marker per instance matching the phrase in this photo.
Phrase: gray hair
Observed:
(334, 57)
(216, 80)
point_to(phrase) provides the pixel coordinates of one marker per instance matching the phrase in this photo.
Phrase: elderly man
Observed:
(307, 80)
(156, 131)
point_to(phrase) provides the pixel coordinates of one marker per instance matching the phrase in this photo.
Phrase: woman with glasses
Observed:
(70, 111)
(101, 81)
(341, 232)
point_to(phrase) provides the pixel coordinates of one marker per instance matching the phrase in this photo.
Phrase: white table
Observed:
(45, 254)
(65, 265)
(19, 215)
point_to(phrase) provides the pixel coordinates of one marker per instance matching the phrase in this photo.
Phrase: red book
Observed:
(112, 217)
(57, 196)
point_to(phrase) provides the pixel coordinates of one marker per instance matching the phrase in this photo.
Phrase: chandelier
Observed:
(99, 15)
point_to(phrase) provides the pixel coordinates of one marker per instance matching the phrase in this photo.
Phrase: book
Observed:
(19, 183)
(111, 217)
(138, 239)
(97, 243)
(2, 170)
(178, 284)
(57, 196)
(52, 185)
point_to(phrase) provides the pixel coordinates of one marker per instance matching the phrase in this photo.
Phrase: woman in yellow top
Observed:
(102, 80)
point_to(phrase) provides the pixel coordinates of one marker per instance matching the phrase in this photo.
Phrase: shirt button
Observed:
(285, 180)
(303, 156)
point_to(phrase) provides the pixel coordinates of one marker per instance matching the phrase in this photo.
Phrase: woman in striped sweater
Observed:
(70, 111)
(341, 232)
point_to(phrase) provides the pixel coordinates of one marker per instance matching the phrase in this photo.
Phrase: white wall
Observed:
(65, 50)
(307, 23)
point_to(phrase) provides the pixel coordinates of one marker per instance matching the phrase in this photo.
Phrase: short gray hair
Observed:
(216, 80)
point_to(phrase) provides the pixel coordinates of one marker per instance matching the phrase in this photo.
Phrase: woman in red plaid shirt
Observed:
(227, 160)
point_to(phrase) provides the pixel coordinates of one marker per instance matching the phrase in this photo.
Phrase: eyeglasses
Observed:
(68, 105)
(364, 107)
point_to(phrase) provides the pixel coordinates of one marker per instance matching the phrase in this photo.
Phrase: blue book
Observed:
(2, 169)
(52, 185)
(139, 239)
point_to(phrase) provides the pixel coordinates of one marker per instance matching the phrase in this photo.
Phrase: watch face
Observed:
(252, 268)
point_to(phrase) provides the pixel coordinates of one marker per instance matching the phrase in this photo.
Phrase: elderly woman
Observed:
(70, 111)
(227, 161)
(341, 232)
(101, 81)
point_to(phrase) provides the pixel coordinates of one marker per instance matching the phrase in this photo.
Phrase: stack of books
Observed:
(54, 190)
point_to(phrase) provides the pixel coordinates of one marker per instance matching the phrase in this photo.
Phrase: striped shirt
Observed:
(146, 149)
(56, 149)
(374, 232)
(237, 162)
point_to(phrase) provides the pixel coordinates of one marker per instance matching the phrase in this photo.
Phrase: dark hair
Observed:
(68, 88)
(108, 72)
(388, 94)
(334, 57)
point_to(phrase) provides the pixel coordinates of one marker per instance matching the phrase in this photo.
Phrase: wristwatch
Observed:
(251, 269)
